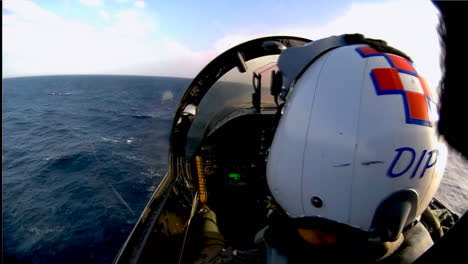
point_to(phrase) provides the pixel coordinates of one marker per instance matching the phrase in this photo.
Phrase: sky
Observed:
(178, 38)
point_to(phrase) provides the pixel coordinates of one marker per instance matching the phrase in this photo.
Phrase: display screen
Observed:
(234, 176)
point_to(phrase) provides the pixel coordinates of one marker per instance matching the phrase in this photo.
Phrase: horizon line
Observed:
(84, 74)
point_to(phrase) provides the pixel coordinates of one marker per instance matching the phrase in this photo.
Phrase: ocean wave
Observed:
(20, 122)
(162, 114)
(131, 157)
(43, 230)
(151, 189)
(141, 116)
(111, 112)
(153, 172)
(109, 140)
(71, 163)
(60, 93)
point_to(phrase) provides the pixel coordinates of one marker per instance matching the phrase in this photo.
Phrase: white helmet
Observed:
(357, 141)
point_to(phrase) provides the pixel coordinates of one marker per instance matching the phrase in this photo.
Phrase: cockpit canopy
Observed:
(238, 82)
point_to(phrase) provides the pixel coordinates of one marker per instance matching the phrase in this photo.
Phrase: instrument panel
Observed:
(234, 166)
(235, 155)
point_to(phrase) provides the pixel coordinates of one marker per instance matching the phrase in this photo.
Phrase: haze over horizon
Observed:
(177, 39)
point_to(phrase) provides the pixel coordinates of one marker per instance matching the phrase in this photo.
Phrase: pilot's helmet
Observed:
(357, 142)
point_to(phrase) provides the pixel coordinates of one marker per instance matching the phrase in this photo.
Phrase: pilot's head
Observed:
(356, 148)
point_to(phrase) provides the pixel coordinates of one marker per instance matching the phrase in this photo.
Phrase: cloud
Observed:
(26, 11)
(170, 58)
(407, 25)
(139, 4)
(104, 15)
(91, 2)
(132, 23)
(38, 42)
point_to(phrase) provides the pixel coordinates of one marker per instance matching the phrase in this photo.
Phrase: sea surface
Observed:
(82, 155)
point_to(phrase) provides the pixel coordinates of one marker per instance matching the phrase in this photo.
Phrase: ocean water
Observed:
(82, 156)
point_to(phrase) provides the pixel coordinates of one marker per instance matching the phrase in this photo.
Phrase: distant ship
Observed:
(219, 144)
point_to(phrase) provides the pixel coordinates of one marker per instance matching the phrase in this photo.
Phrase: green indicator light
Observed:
(235, 176)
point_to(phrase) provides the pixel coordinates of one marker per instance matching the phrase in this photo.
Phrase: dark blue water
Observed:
(81, 157)
(83, 154)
